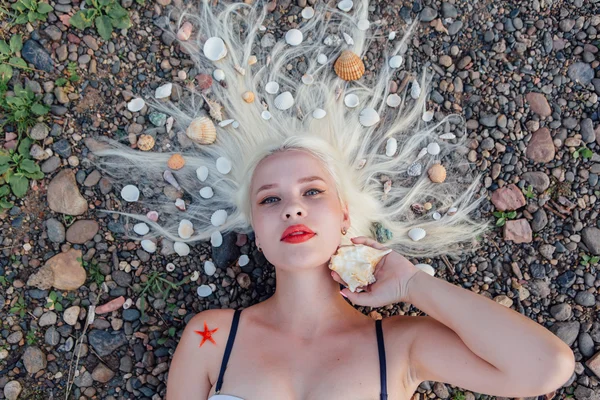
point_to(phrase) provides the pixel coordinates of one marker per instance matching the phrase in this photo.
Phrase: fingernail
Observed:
(342, 293)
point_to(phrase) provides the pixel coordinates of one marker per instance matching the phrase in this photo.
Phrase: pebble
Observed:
(34, 359)
(12, 390)
(566, 331)
(585, 299)
(55, 230)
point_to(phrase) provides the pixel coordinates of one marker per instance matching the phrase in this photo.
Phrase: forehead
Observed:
(290, 164)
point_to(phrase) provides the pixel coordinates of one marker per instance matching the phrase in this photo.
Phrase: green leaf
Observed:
(18, 6)
(52, 295)
(576, 154)
(5, 48)
(24, 146)
(39, 109)
(161, 341)
(35, 175)
(6, 72)
(31, 16)
(80, 21)
(587, 153)
(103, 3)
(5, 204)
(58, 307)
(44, 8)
(500, 222)
(19, 184)
(4, 168)
(21, 19)
(16, 43)
(104, 26)
(4, 190)
(512, 214)
(122, 23)
(497, 214)
(116, 11)
(18, 62)
(28, 165)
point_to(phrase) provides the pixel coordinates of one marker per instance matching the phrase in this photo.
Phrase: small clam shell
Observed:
(308, 79)
(349, 66)
(308, 12)
(218, 218)
(363, 24)
(448, 135)
(202, 131)
(219, 75)
(415, 90)
(148, 245)
(272, 87)
(202, 173)
(204, 291)
(414, 169)
(393, 100)
(170, 267)
(226, 122)
(391, 146)
(361, 163)
(428, 269)
(266, 115)
(422, 153)
(284, 101)
(209, 268)
(417, 234)
(294, 37)
(319, 113)
(322, 59)
(348, 39)
(185, 31)
(427, 116)
(437, 173)
(180, 204)
(194, 276)
(433, 149)
(206, 192)
(351, 100)
(392, 35)
(216, 239)
(163, 91)
(436, 215)
(248, 97)
(223, 165)
(252, 60)
(181, 248)
(186, 229)
(170, 178)
(141, 228)
(204, 81)
(130, 193)
(145, 142)
(368, 117)
(152, 216)
(345, 5)
(214, 48)
(395, 61)
(136, 104)
(452, 211)
(176, 162)
(127, 304)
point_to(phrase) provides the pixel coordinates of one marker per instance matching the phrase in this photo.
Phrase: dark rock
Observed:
(35, 54)
(591, 239)
(566, 331)
(105, 343)
(566, 279)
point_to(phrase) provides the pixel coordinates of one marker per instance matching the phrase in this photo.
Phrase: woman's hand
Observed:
(393, 273)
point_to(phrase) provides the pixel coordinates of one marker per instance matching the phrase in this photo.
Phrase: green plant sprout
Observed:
(584, 152)
(19, 307)
(503, 216)
(16, 168)
(31, 11)
(529, 192)
(8, 57)
(170, 334)
(157, 284)
(53, 301)
(587, 260)
(23, 108)
(104, 14)
(31, 337)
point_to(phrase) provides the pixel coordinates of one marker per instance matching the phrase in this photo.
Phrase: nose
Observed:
(299, 213)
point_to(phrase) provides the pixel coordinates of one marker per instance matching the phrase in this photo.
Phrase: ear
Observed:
(346, 214)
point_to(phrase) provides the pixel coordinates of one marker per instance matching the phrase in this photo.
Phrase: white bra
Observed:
(224, 397)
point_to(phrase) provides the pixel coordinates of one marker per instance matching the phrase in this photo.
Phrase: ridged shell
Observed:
(272, 87)
(214, 48)
(437, 173)
(349, 66)
(176, 161)
(355, 264)
(202, 131)
(414, 169)
(145, 142)
(204, 81)
(417, 234)
(284, 101)
(368, 117)
(294, 37)
(248, 97)
(319, 113)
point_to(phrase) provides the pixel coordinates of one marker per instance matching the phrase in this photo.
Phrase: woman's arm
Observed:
(483, 346)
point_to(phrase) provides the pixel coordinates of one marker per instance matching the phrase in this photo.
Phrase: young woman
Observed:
(308, 155)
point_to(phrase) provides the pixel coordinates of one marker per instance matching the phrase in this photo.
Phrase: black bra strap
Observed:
(234, 325)
(382, 368)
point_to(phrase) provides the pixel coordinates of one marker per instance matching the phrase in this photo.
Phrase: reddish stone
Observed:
(204, 81)
(539, 104)
(241, 239)
(594, 364)
(112, 305)
(508, 198)
(73, 39)
(518, 231)
(541, 147)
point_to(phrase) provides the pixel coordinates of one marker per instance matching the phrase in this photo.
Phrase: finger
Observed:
(336, 277)
(369, 242)
(361, 299)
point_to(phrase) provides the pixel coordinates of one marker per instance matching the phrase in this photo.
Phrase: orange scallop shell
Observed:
(437, 173)
(176, 161)
(202, 131)
(145, 142)
(349, 66)
(248, 97)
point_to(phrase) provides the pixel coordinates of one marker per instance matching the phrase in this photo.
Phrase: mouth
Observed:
(297, 234)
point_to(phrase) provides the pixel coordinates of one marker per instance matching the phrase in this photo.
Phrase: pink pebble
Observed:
(185, 31)
(242, 238)
(152, 216)
(112, 305)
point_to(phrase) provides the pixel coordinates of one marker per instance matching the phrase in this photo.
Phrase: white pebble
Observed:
(209, 268)
(136, 104)
(436, 215)
(206, 192)
(163, 91)
(202, 173)
(363, 24)
(216, 239)
(141, 228)
(322, 59)
(223, 165)
(181, 248)
(433, 149)
(130, 193)
(244, 260)
(218, 218)
(204, 291)
(148, 245)
(395, 62)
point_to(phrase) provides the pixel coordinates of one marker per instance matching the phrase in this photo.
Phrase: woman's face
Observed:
(281, 197)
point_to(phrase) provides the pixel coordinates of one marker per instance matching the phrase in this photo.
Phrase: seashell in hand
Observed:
(368, 117)
(319, 113)
(202, 131)
(355, 264)
(417, 234)
(214, 49)
(248, 97)
(308, 12)
(345, 5)
(294, 37)
(391, 146)
(322, 59)
(395, 61)
(186, 229)
(176, 161)
(130, 193)
(393, 100)
(145, 142)
(219, 75)
(437, 173)
(272, 87)
(136, 104)
(349, 66)
(284, 101)
(351, 100)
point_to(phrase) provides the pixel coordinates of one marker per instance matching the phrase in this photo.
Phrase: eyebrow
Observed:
(301, 180)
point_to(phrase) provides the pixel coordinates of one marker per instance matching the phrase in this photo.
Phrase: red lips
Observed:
(296, 228)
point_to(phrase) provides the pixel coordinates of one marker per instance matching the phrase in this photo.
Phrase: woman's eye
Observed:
(265, 201)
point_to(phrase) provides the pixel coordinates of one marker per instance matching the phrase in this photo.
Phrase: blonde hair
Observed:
(338, 140)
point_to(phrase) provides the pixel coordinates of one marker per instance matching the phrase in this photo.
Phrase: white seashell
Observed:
(223, 165)
(415, 90)
(319, 113)
(361, 163)
(433, 149)
(235, 124)
(141, 228)
(204, 291)
(163, 91)
(266, 115)
(216, 239)
(368, 117)
(395, 61)
(239, 69)
(186, 229)
(422, 153)
(180, 204)
(170, 178)
(219, 75)
(448, 135)
(393, 100)
(209, 268)
(152, 216)
(206, 192)
(202, 173)
(427, 116)
(252, 60)
(416, 234)
(226, 122)
(181, 248)
(284, 101)
(127, 304)
(214, 48)
(169, 124)
(130, 193)
(218, 218)
(170, 267)
(392, 35)
(243, 260)
(452, 211)
(194, 276)
(272, 87)
(148, 245)
(356, 264)
(428, 269)
(262, 28)
(308, 79)
(345, 5)
(348, 39)
(294, 37)
(136, 104)
(436, 215)
(391, 146)
(322, 59)
(363, 24)
(308, 12)
(351, 100)
(414, 169)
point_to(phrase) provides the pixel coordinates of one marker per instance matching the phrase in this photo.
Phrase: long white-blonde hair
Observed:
(354, 155)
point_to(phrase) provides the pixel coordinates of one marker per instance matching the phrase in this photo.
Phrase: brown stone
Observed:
(541, 147)
(82, 231)
(537, 179)
(518, 231)
(64, 196)
(102, 373)
(508, 198)
(594, 364)
(111, 306)
(539, 104)
(63, 271)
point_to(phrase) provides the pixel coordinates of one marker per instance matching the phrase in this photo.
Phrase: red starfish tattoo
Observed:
(206, 334)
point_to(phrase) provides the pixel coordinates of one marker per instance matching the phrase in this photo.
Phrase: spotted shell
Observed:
(248, 97)
(437, 173)
(176, 161)
(145, 142)
(202, 131)
(349, 66)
